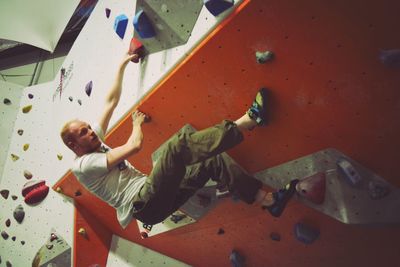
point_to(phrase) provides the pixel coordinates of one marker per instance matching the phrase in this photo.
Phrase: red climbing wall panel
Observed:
(328, 90)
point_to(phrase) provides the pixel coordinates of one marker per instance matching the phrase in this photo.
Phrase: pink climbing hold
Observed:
(313, 188)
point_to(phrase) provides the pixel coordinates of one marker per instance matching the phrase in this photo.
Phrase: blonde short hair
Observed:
(65, 132)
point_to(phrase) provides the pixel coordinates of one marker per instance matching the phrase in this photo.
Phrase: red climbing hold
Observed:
(313, 188)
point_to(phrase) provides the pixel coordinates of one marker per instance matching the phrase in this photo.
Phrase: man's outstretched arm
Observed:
(114, 94)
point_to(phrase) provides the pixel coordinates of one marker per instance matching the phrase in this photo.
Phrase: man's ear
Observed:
(71, 145)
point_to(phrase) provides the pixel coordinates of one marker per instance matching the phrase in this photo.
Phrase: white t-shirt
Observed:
(116, 187)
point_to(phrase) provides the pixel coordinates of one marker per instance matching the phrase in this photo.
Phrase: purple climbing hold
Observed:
(378, 190)
(4, 193)
(8, 222)
(88, 88)
(390, 58)
(275, 236)
(108, 12)
(305, 233)
(216, 7)
(220, 231)
(4, 235)
(30, 96)
(13, 238)
(313, 188)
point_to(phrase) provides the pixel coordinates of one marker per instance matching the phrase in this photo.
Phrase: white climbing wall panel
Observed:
(8, 114)
(94, 57)
(124, 253)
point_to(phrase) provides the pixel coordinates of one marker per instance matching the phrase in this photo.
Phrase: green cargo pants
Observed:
(188, 161)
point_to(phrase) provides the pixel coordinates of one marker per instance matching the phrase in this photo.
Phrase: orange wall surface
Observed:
(329, 89)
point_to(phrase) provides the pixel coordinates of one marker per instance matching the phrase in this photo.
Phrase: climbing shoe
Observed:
(282, 197)
(258, 110)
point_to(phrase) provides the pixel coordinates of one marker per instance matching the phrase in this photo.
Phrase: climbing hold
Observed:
(144, 235)
(13, 238)
(19, 213)
(30, 96)
(53, 237)
(7, 101)
(236, 259)
(275, 236)
(14, 157)
(59, 156)
(14, 197)
(25, 147)
(377, 190)
(312, 188)
(71, 98)
(305, 233)
(78, 193)
(263, 57)
(120, 25)
(26, 109)
(88, 88)
(222, 193)
(82, 232)
(177, 217)
(49, 246)
(390, 58)
(22, 242)
(108, 12)
(347, 169)
(143, 26)
(59, 190)
(4, 235)
(4, 193)
(8, 222)
(220, 231)
(35, 191)
(8, 264)
(136, 47)
(28, 175)
(79, 102)
(20, 132)
(216, 7)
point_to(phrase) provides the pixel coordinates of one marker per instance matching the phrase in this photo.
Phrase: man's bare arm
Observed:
(132, 146)
(114, 94)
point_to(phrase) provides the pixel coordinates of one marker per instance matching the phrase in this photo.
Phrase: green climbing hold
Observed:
(14, 157)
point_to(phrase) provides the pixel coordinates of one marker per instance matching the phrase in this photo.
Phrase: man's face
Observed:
(86, 141)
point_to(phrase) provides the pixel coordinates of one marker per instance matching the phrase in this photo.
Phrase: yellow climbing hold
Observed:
(26, 146)
(59, 156)
(82, 232)
(26, 109)
(14, 157)
(59, 190)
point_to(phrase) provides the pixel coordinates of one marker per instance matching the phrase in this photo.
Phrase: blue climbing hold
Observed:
(305, 233)
(216, 7)
(143, 26)
(236, 259)
(120, 25)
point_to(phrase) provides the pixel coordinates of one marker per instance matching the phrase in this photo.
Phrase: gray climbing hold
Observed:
(79, 102)
(49, 246)
(4, 235)
(4, 193)
(14, 197)
(8, 264)
(305, 233)
(275, 236)
(88, 88)
(28, 175)
(8, 222)
(22, 242)
(390, 58)
(71, 98)
(7, 101)
(236, 259)
(263, 57)
(19, 213)
(20, 132)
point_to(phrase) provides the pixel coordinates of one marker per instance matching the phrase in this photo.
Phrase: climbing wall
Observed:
(329, 89)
